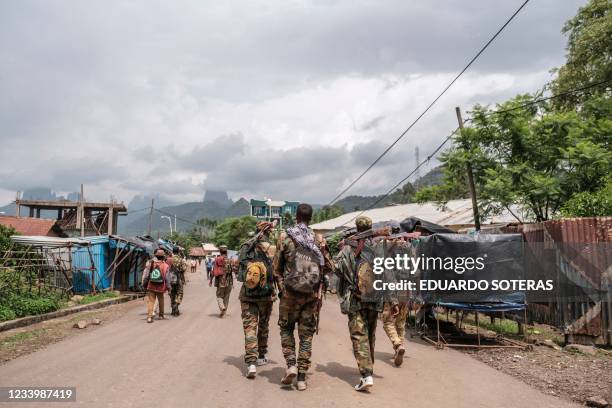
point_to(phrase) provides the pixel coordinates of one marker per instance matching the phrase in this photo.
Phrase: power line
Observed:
(437, 149)
(419, 165)
(548, 98)
(430, 105)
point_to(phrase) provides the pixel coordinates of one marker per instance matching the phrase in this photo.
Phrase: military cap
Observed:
(363, 223)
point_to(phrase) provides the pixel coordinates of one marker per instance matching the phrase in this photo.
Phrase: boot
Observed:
(178, 312)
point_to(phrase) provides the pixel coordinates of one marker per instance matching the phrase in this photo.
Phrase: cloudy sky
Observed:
(288, 99)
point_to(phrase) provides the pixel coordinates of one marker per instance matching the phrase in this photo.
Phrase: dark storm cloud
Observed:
(100, 92)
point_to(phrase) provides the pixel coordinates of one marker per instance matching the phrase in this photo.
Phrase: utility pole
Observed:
(175, 230)
(151, 217)
(470, 174)
(82, 207)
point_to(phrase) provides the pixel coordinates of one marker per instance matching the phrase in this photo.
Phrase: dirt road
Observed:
(196, 360)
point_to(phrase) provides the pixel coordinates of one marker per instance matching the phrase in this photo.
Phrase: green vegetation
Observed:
(234, 231)
(14, 339)
(327, 213)
(97, 297)
(15, 305)
(549, 158)
(588, 55)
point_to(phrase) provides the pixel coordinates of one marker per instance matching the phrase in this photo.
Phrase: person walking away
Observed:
(156, 280)
(298, 272)
(178, 267)
(359, 300)
(256, 295)
(395, 327)
(209, 267)
(193, 265)
(222, 274)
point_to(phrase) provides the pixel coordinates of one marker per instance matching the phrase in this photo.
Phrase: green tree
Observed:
(590, 204)
(589, 54)
(5, 240)
(234, 231)
(535, 157)
(288, 220)
(326, 213)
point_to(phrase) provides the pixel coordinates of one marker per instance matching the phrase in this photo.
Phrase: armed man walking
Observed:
(298, 271)
(222, 274)
(178, 266)
(359, 300)
(256, 295)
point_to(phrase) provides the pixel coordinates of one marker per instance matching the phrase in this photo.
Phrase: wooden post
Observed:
(111, 218)
(470, 175)
(38, 213)
(17, 206)
(82, 218)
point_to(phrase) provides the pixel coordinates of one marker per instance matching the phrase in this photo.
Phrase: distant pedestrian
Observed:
(156, 280)
(193, 265)
(222, 274)
(209, 267)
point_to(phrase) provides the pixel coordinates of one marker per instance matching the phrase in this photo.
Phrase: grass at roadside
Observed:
(97, 297)
(16, 338)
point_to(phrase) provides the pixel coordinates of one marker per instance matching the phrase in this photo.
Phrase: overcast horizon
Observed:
(289, 100)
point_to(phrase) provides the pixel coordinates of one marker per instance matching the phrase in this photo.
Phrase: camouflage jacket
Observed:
(284, 259)
(353, 284)
(178, 265)
(227, 279)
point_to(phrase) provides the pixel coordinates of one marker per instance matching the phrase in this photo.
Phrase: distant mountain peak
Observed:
(219, 197)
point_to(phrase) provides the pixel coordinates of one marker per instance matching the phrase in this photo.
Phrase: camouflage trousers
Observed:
(395, 327)
(362, 327)
(223, 294)
(256, 325)
(301, 310)
(176, 294)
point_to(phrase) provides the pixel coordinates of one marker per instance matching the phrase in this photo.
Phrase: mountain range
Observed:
(216, 205)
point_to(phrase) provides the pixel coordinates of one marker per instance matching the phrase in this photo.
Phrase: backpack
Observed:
(255, 270)
(364, 272)
(305, 273)
(219, 267)
(156, 276)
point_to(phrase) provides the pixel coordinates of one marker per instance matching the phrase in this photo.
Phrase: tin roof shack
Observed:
(78, 218)
(197, 253)
(32, 226)
(456, 214)
(91, 264)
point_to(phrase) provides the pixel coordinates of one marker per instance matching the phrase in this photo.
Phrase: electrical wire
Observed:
(415, 121)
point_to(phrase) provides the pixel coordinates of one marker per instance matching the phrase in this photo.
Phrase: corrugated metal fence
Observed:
(576, 254)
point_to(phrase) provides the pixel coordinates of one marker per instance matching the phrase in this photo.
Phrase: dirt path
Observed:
(196, 360)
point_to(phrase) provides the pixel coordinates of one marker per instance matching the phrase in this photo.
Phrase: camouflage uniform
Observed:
(179, 266)
(256, 313)
(395, 327)
(294, 308)
(362, 314)
(224, 284)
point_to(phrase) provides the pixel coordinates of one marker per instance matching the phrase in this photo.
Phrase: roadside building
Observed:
(270, 210)
(33, 226)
